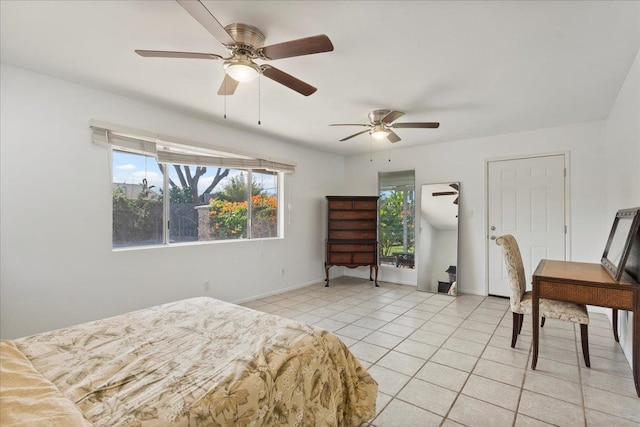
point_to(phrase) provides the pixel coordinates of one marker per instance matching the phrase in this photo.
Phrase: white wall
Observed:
(464, 161)
(623, 166)
(57, 264)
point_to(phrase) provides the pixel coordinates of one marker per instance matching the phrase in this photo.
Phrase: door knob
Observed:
(493, 227)
(493, 237)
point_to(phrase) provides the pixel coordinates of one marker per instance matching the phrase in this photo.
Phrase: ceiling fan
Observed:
(449, 193)
(381, 125)
(245, 43)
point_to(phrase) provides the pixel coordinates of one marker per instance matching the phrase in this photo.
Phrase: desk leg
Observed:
(614, 318)
(535, 320)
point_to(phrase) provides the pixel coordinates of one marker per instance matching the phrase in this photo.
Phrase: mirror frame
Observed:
(422, 255)
(616, 269)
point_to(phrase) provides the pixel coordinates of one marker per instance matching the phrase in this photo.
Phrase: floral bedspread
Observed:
(204, 362)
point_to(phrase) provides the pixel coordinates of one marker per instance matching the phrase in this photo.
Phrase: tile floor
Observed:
(444, 361)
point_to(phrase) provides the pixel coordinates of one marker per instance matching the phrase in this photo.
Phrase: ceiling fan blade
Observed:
(350, 124)
(169, 54)
(392, 116)
(444, 193)
(456, 201)
(201, 14)
(355, 134)
(228, 86)
(288, 80)
(455, 186)
(393, 137)
(416, 125)
(299, 47)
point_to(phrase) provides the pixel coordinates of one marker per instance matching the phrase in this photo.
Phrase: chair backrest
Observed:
(515, 269)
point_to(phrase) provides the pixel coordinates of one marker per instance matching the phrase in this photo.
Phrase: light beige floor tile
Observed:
(360, 311)
(389, 382)
(474, 412)
(368, 352)
(399, 413)
(478, 326)
(612, 367)
(454, 359)
(346, 317)
(499, 372)
(464, 346)
(395, 309)
(416, 348)
(611, 403)
(497, 393)
(408, 321)
(381, 401)
(553, 387)
(404, 303)
(550, 410)
(558, 369)
(600, 419)
(492, 320)
(506, 356)
(438, 328)
(307, 318)
(524, 421)
(428, 396)
(449, 423)
(399, 330)
(370, 323)
(355, 332)
(445, 376)
(348, 341)
(419, 313)
(401, 362)
(448, 320)
(428, 337)
(614, 383)
(383, 339)
(523, 345)
(330, 324)
(383, 315)
(473, 336)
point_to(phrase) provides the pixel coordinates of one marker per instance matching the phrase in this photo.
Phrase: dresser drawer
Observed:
(364, 258)
(365, 204)
(340, 204)
(333, 214)
(352, 235)
(352, 225)
(352, 248)
(339, 258)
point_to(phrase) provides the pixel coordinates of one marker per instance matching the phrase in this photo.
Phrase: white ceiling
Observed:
(479, 68)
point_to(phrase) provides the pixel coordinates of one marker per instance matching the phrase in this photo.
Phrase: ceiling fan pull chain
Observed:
(259, 79)
(371, 146)
(389, 152)
(224, 82)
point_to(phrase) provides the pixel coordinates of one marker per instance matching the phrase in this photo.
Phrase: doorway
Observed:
(526, 197)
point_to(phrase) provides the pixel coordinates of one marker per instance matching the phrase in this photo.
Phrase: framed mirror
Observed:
(623, 233)
(438, 250)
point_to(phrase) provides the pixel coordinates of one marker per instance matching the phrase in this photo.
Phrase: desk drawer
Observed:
(584, 294)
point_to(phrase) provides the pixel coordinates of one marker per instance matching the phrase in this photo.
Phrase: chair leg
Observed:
(542, 322)
(516, 328)
(520, 324)
(584, 337)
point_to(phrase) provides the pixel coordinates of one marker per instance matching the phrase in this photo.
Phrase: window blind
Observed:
(180, 151)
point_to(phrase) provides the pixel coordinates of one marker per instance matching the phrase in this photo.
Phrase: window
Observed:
(163, 193)
(397, 213)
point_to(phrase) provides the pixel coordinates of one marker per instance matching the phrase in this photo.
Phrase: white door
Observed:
(526, 198)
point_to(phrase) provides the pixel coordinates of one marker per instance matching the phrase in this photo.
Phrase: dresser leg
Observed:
(326, 272)
(376, 281)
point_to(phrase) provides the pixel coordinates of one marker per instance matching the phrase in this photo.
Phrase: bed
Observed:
(196, 362)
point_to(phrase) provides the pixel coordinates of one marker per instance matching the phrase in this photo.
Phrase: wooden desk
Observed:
(585, 283)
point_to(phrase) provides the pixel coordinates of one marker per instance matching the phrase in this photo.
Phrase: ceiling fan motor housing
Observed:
(377, 115)
(246, 36)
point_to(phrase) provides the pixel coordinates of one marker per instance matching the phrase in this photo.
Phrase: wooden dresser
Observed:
(352, 233)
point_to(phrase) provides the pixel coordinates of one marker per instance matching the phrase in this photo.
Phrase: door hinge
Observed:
(565, 229)
(565, 172)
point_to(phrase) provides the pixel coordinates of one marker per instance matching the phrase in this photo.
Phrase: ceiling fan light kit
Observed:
(379, 132)
(241, 71)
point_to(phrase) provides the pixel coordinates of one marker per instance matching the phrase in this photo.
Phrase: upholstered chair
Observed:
(520, 299)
